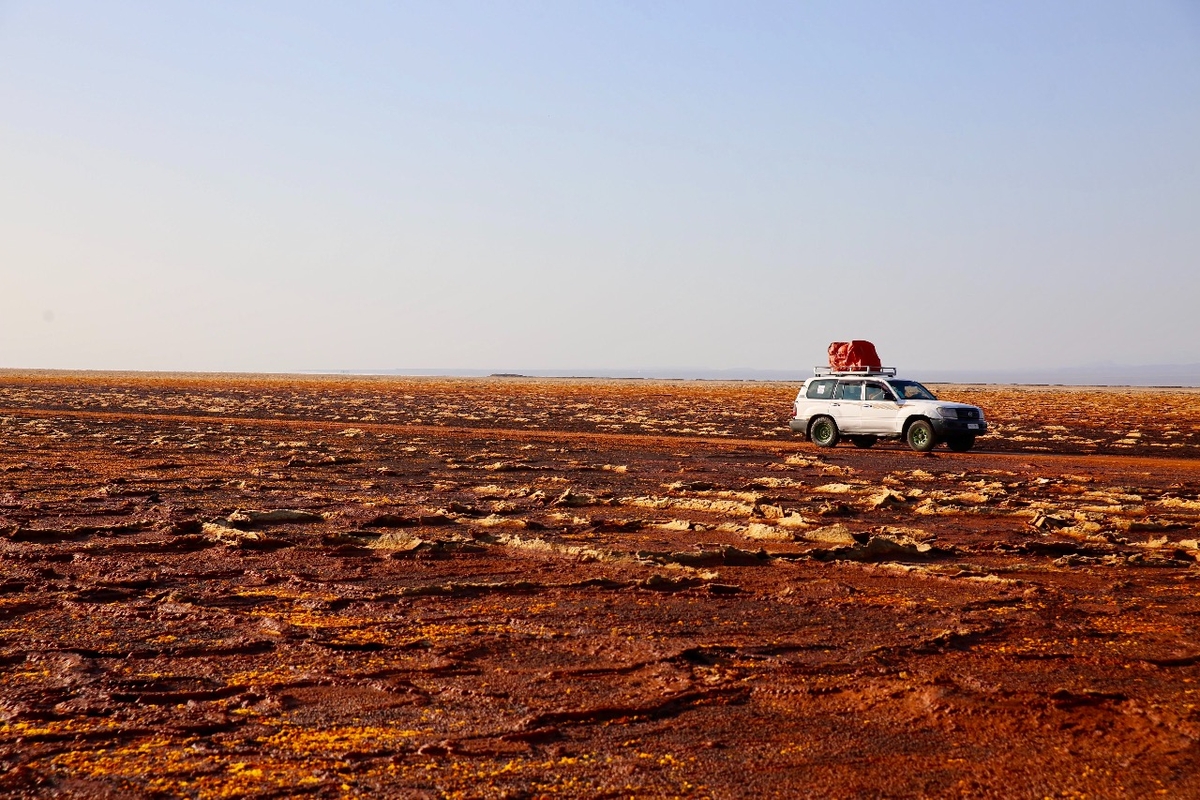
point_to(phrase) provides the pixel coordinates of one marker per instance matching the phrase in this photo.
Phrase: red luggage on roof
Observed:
(858, 354)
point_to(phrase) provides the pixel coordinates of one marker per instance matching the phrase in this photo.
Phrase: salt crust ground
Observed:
(266, 586)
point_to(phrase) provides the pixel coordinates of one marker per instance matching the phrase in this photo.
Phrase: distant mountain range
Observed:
(1097, 375)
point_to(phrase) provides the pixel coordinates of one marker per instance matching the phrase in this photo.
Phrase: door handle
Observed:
(867, 405)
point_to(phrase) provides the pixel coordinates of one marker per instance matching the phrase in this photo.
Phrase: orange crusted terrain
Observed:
(230, 586)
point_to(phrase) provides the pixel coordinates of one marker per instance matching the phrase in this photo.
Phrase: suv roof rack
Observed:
(822, 372)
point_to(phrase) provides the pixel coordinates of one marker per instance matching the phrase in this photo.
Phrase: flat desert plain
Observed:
(391, 587)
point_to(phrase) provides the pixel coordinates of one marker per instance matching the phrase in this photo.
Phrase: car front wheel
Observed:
(823, 432)
(920, 436)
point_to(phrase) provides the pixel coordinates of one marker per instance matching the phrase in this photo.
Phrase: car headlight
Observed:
(947, 412)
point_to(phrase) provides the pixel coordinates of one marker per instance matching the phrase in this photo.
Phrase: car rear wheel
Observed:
(920, 436)
(823, 432)
(864, 441)
(960, 444)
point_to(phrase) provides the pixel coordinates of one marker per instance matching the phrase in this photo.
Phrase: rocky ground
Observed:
(258, 586)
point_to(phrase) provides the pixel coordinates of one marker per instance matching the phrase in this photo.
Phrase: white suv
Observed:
(870, 405)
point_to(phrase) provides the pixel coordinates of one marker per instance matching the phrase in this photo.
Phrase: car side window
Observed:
(848, 390)
(820, 390)
(876, 392)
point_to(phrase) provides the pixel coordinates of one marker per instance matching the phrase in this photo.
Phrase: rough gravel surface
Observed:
(257, 586)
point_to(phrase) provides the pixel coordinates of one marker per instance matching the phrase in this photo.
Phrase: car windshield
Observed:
(911, 390)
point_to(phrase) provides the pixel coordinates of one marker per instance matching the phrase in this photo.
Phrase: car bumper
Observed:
(958, 427)
(798, 425)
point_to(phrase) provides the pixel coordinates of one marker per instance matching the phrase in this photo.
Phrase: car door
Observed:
(846, 406)
(879, 412)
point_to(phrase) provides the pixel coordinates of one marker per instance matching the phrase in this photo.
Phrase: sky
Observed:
(292, 186)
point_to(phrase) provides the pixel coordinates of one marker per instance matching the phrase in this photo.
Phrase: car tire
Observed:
(960, 444)
(920, 436)
(823, 432)
(864, 441)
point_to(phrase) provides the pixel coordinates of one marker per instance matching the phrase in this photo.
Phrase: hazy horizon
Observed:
(1111, 375)
(1183, 375)
(285, 187)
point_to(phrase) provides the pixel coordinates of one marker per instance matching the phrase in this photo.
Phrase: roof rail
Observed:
(822, 372)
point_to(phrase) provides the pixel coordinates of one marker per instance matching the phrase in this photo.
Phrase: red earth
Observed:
(398, 587)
